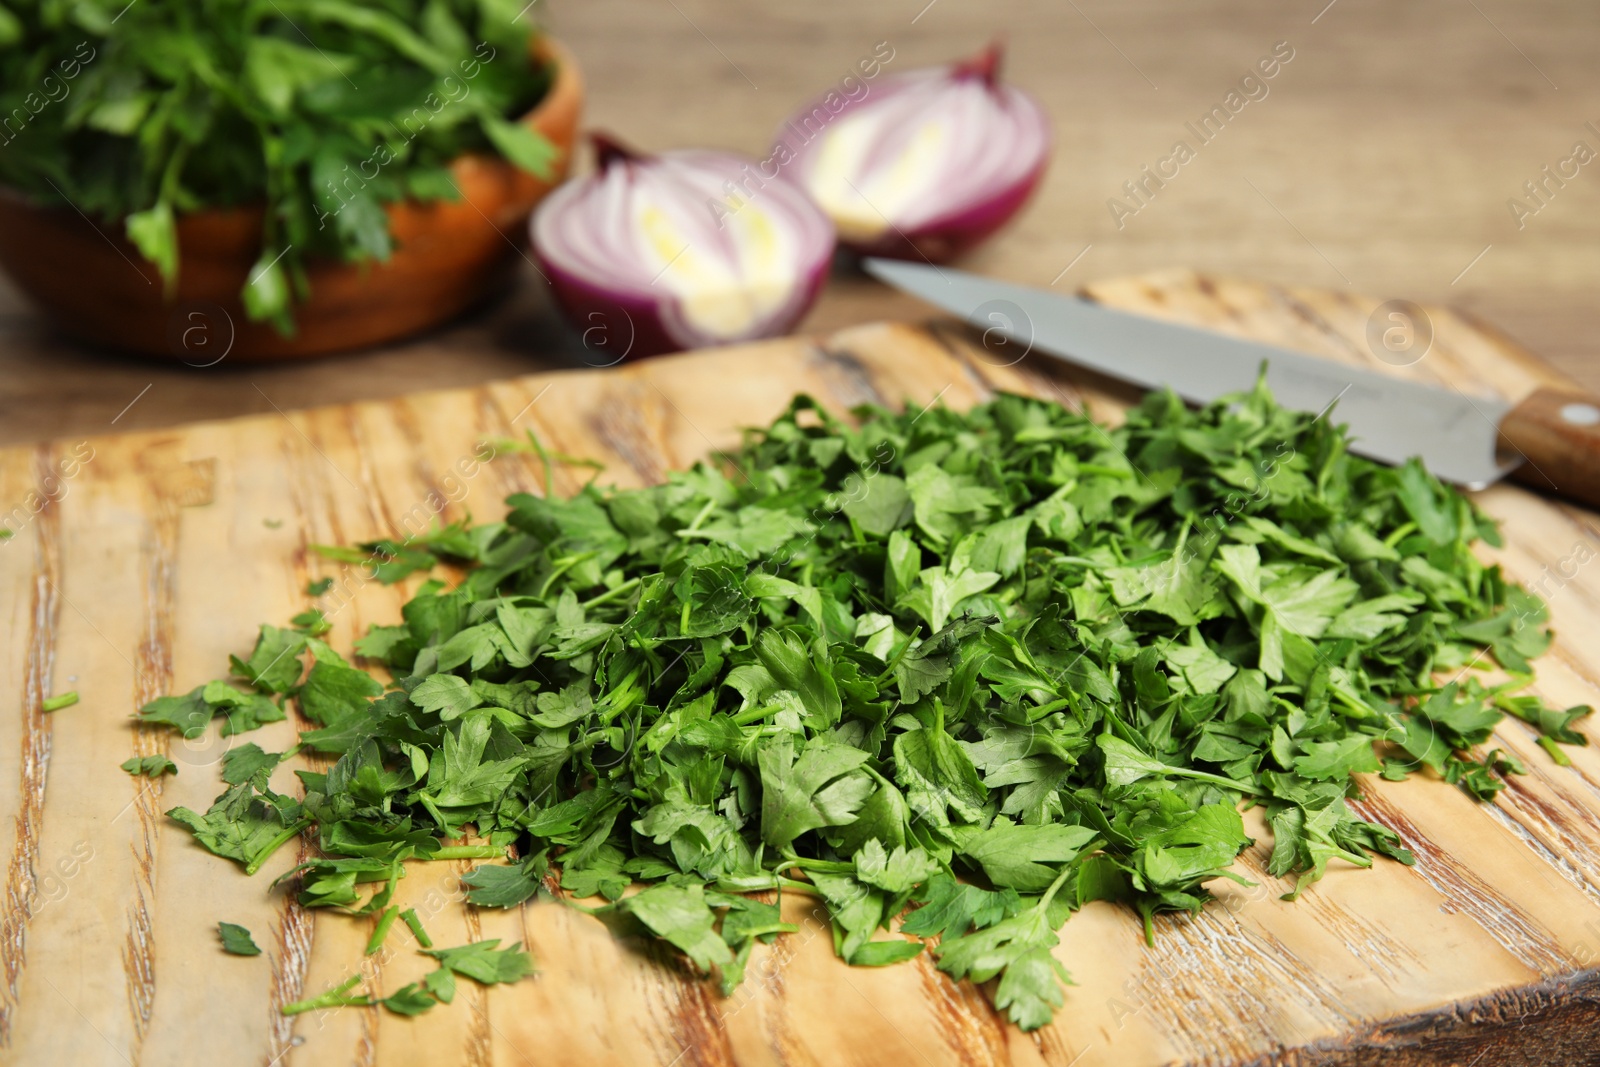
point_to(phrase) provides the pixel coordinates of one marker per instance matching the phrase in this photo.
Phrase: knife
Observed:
(1551, 440)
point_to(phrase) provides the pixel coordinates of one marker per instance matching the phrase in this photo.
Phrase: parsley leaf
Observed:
(1018, 946)
(505, 887)
(150, 766)
(236, 940)
(1018, 856)
(274, 665)
(484, 961)
(681, 916)
(245, 824)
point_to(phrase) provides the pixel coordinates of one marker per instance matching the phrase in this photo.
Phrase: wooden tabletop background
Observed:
(1381, 160)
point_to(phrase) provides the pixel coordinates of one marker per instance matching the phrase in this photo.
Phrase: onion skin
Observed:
(749, 261)
(953, 236)
(613, 327)
(991, 164)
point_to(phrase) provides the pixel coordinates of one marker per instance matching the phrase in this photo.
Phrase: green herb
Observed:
(248, 763)
(237, 941)
(418, 997)
(390, 560)
(150, 766)
(246, 824)
(506, 887)
(987, 667)
(191, 713)
(337, 997)
(319, 587)
(56, 703)
(679, 914)
(483, 962)
(313, 622)
(1017, 948)
(320, 111)
(411, 920)
(381, 931)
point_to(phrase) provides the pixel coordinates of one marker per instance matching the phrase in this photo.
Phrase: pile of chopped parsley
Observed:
(956, 675)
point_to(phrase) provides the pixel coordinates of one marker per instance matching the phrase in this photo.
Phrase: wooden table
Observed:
(1381, 160)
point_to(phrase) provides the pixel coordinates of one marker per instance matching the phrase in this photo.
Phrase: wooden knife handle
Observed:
(1558, 433)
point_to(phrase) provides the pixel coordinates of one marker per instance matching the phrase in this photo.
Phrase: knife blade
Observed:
(1390, 419)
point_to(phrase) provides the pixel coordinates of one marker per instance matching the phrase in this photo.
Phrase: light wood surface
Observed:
(1381, 161)
(163, 551)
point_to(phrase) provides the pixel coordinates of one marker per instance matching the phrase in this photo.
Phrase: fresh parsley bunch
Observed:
(322, 111)
(987, 666)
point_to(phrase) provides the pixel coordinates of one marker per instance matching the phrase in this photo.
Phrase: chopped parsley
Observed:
(236, 940)
(956, 675)
(150, 766)
(411, 920)
(380, 932)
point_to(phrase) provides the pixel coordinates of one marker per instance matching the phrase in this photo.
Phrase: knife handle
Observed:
(1558, 433)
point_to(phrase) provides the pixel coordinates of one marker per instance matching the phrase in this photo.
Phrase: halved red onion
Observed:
(923, 164)
(656, 253)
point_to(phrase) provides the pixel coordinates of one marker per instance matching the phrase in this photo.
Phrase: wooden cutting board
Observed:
(162, 551)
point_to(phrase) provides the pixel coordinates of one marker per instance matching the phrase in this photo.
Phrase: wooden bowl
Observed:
(449, 255)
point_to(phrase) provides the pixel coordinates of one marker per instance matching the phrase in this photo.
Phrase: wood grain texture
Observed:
(21, 893)
(160, 554)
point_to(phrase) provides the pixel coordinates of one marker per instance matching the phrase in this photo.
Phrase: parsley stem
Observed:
(1399, 534)
(1183, 539)
(1104, 471)
(798, 886)
(549, 471)
(381, 931)
(1351, 703)
(1222, 780)
(610, 593)
(826, 866)
(1560, 757)
(468, 852)
(56, 703)
(410, 916)
(755, 714)
(894, 661)
(333, 998)
(288, 834)
(1050, 894)
(710, 506)
(562, 566)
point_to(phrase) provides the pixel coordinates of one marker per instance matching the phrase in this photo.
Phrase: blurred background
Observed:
(1386, 158)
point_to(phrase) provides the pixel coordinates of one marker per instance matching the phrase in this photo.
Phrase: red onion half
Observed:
(920, 165)
(656, 253)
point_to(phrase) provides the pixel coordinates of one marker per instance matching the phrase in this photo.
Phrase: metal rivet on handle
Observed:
(1580, 414)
